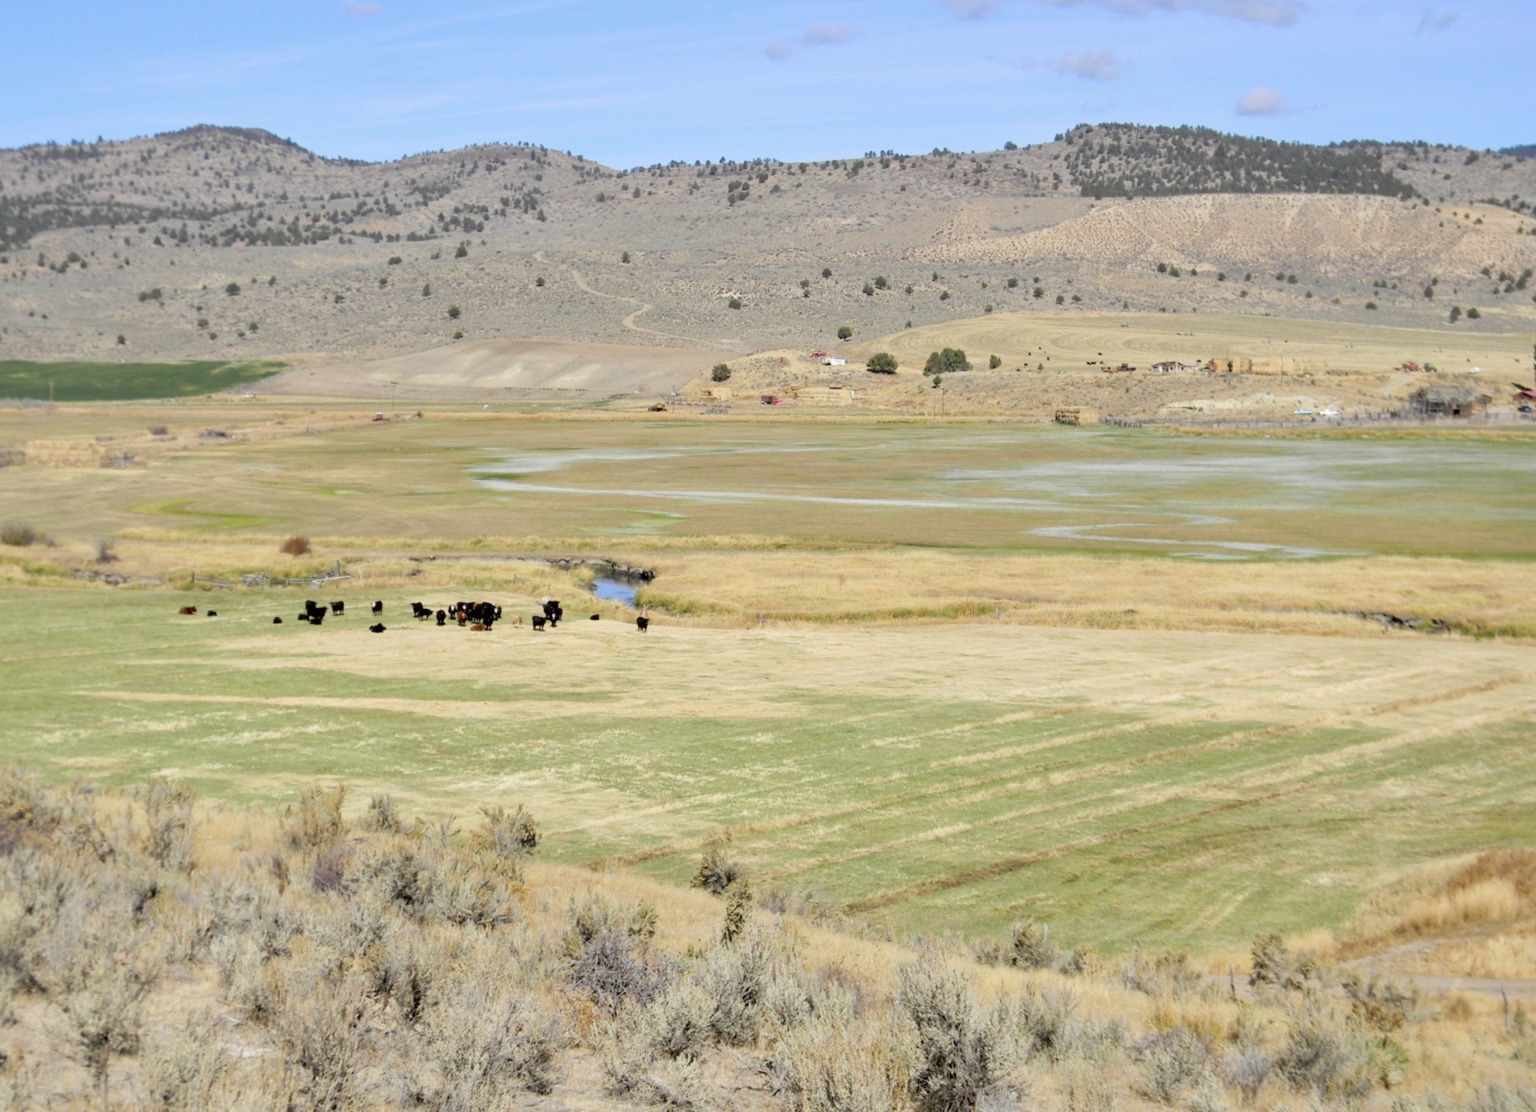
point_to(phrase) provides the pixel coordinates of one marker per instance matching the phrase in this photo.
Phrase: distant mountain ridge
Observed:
(1129, 160)
(1101, 160)
(237, 243)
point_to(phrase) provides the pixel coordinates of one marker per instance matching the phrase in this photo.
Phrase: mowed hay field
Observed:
(946, 675)
(1155, 786)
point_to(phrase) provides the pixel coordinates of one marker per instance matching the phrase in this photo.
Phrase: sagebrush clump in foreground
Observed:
(154, 955)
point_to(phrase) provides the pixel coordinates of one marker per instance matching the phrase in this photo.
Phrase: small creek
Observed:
(613, 589)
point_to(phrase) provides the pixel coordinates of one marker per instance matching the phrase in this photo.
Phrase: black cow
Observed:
(317, 617)
(277, 621)
(337, 608)
(595, 617)
(213, 613)
(420, 611)
(378, 607)
(642, 624)
(314, 609)
(442, 617)
(538, 623)
(377, 627)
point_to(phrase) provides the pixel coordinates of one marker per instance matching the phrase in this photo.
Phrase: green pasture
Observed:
(118, 382)
(930, 778)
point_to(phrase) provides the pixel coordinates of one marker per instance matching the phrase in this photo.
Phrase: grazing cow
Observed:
(538, 623)
(378, 606)
(517, 621)
(337, 608)
(595, 617)
(315, 611)
(479, 627)
(442, 617)
(317, 617)
(303, 617)
(642, 624)
(187, 610)
(377, 627)
(277, 621)
(553, 612)
(420, 611)
(213, 613)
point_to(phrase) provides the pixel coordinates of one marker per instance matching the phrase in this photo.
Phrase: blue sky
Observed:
(633, 83)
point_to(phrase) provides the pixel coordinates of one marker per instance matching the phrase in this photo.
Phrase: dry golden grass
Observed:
(1096, 592)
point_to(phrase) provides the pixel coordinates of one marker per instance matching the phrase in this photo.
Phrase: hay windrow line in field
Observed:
(1136, 727)
(928, 887)
(1267, 776)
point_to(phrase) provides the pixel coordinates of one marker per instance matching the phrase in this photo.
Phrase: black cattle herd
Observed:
(476, 616)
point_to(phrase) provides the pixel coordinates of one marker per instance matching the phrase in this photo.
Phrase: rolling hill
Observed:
(231, 243)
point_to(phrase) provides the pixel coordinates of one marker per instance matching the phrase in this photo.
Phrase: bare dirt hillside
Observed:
(219, 242)
(501, 370)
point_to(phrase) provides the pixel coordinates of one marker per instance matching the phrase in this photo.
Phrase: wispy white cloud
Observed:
(1094, 65)
(815, 34)
(1432, 20)
(827, 34)
(971, 9)
(1274, 13)
(362, 9)
(1261, 102)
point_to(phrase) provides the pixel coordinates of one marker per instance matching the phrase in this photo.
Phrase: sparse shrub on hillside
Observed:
(961, 1052)
(881, 363)
(845, 333)
(738, 910)
(721, 372)
(233, 289)
(18, 535)
(461, 252)
(947, 361)
(504, 834)
(624, 258)
(1170, 1062)
(395, 260)
(717, 870)
(1455, 313)
(1324, 1056)
(168, 824)
(1038, 292)
(426, 289)
(295, 546)
(881, 283)
(539, 282)
(869, 290)
(453, 312)
(317, 821)
(994, 361)
(1474, 314)
(381, 817)
(734, 303)
(826, 272)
